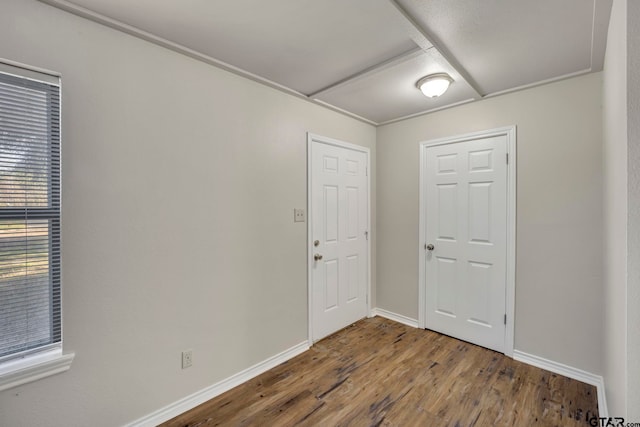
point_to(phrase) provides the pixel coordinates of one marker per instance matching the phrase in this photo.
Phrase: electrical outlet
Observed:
(187, 358)
(299, 215)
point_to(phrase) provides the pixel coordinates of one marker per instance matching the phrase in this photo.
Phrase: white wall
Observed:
(615, 211)
(179, 183)
(621, 160)
(155, 141)
(559, 212)
(633, 241)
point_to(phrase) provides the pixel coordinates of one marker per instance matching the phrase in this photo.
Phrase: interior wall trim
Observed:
(490, 95)
(395, 317)
(82, 12)
(570, 372)
(539, 362)
(176, 408)
(178, 48)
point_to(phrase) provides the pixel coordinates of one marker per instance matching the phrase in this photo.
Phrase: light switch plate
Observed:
(299, 215)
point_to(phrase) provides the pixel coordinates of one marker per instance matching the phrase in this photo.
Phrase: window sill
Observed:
(34, 367)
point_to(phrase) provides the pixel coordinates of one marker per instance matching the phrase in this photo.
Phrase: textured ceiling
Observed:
(365, 56)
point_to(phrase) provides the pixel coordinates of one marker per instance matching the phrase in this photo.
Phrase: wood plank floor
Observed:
(381, 373)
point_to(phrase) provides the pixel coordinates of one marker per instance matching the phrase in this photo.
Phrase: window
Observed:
(30, 306)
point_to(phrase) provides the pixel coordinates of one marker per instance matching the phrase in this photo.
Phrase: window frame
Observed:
(48, 359)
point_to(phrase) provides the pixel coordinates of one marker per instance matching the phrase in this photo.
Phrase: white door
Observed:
(466, 240)
(338, 235)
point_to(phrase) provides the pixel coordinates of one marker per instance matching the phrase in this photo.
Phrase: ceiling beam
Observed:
(396, 60)
(423, 38)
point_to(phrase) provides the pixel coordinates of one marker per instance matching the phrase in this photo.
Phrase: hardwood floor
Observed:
(381, 373)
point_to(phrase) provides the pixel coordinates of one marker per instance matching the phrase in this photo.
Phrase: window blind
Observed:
(30, 306)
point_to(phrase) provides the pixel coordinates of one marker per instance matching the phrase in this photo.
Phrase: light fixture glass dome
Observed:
(434, 85)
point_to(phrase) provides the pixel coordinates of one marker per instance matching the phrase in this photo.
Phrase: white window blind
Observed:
(30, 306)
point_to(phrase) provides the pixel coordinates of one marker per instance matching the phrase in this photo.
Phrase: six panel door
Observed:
(339, 207)
(466, 222)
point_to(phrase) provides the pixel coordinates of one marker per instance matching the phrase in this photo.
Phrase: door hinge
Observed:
(507, 158)
(366, 171)
(425, 246)
(366, 235)
(505, 319)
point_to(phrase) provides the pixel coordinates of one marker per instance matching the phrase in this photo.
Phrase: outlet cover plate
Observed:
(187, 358)
(299, 215)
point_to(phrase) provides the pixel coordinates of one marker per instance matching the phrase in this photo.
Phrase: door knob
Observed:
(430, 247)
(317, 257)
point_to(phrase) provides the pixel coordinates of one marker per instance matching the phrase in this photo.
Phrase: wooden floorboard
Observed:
(381, 373)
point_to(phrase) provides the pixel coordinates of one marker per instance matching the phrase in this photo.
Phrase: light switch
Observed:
(299, 215)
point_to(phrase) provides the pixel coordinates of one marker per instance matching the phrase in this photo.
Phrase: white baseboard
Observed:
(570, 372)
(395, 317)
(174, 409)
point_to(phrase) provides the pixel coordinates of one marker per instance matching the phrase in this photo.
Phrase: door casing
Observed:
(510, 133)
(317, 139)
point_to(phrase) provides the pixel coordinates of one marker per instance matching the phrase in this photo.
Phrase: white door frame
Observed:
(510, 133)
(311, 139)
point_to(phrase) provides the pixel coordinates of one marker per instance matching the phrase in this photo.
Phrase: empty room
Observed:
(320, 213)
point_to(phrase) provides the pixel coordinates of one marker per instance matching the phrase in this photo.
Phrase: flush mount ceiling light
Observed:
(434, 85)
